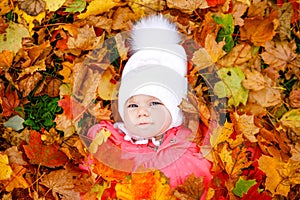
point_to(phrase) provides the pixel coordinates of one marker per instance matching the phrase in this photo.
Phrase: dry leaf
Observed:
(121, 19)
(107, 85)
(100, 112)
(201, 59)
(15, 156)
(33, 7)
(6, 170)
(238, 11)
(295, 98)
(61, 182)
(258, 30)
(97, 7)
(214, 49)
(187, 6)
(254, 80)
(27, 84)
(239, 55)
(245, 125)
(17, 180)
(6, 59)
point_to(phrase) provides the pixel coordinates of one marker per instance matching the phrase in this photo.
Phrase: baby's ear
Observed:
(115, 112)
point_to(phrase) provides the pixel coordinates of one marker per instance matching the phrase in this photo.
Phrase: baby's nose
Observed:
(143, 112)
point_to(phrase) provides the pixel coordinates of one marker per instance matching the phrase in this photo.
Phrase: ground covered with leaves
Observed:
(60, 65)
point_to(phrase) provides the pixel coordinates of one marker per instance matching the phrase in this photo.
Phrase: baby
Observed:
(153, 84)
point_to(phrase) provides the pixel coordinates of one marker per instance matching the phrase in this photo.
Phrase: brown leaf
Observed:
(192, 188)
(294, 98)
(26, 85)
(61, 182)
(254, 80)
(238, 11)
(187, 6)
(214, 49)
(10, 101)
(121, 19)
(279, 56)
(245, 125)
(239, 55)
(6, 59)
(259, 30)
(15, 156)
(285, 14)
(257, 8)
(33, 7)
(52, 89)
(100, 112)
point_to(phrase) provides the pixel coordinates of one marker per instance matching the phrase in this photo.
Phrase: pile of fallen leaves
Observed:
(60, 65)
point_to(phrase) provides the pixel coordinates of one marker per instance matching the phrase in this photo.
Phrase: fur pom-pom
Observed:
(154, 30)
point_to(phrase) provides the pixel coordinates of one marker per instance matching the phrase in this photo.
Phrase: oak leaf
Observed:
(258, 30)
(45, 155)
(62, 183)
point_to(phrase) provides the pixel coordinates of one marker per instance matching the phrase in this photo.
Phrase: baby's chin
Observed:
(145, 134)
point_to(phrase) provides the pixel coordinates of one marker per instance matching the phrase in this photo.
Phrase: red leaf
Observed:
(71, 107)
(10, 101)
(46, 155)
(214, 3)
(254, 194)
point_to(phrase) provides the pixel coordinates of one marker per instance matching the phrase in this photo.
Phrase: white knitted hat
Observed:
(157, 67)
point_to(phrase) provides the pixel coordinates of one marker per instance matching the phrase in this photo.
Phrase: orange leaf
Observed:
(40, 154)
(10, 101)
(72, 108)
(259, 30)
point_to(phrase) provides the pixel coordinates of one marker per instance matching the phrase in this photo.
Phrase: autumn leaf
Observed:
(258, 30)
(187, 6)
(5, 7)
(214, 49)
(10, 101)
(274, 181)
(192, 188)
(54, 5)
(12, 39)
(17, 180)
(291, 119)
(32, 8)
(6, 170)
(75, 6)
(97, 7)
(279, 56)
(245, 125)
(40, 154)
(231, 86)
(107, 85)
(6, 59)
(242, 186)
(72, 108)
(62, 183)
(100, 137)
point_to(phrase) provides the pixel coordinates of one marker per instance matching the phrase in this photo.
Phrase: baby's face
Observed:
(146, 116)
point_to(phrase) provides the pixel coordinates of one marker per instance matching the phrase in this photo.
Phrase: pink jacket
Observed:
(176, 157)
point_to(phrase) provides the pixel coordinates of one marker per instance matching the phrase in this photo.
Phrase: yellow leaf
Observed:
(38, 66)
(30, 20)
(214, 49)
(6, 59)
(221, 134)
(202, 59)
(291, 119)
(5, 7)
(274, 181)
(6, 170)
(66, 71)
(187, 6)
(12, 39)
(101, 137)
(54, 5)
(143, 7)
(17, 180)
(107, 85)
(97, 7)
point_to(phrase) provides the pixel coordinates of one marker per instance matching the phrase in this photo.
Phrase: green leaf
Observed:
(231, 86)
(242, 186)
(77, 6)
(15, 122)
(226, 31)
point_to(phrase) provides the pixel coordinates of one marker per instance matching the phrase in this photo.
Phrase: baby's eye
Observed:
(155, 103)
(132, 105)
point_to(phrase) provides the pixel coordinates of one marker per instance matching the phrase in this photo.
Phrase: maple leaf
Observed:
(64, 124)
(274, 181)
(62, 182)
(192, 188)
(72, 108)
(245, 124)
(40, 154)
(238, 10)
(214, 49)
(279, 56)
(258, 30)
(254, 80)
(239, 55)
